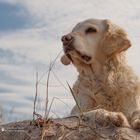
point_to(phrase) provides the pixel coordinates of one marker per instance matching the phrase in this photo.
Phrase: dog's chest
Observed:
(103, 93)
(100, 95)
(108, 92)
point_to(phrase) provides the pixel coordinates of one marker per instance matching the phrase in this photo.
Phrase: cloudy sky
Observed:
(30, 32)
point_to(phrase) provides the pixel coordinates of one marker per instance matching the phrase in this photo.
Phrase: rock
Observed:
(69, 128)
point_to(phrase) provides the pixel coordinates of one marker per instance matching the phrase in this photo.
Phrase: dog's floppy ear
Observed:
(115, 39)
(65, 60)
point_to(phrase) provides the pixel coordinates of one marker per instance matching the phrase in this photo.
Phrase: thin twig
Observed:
(59, 80)
(54, 98)
(52, 66)
(72, 92)
(47, 90)
(34, 109)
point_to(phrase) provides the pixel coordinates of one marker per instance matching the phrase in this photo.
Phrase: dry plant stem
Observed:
(59, 80)
(50, 69)
(54, 98)
(47, 115)
(47, 90)
(46, 107)
(38, 81)
(35, 96)
(43, 134)
(46, 118)
(81, 113)
(52, 66)
(74, 98)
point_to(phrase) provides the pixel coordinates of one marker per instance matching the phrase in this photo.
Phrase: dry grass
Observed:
(36, 91)
(47, 109)
(72, 92)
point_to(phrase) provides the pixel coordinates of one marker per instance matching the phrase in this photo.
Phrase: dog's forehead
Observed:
(87, 23)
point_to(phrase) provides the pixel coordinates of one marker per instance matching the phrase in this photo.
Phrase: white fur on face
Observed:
(87, 43)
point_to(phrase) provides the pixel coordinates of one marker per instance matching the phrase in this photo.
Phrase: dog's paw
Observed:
(105, 118)
(135, 120)
(117, 119)
(136, 124)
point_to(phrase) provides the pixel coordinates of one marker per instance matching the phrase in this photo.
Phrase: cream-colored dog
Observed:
(97, 49)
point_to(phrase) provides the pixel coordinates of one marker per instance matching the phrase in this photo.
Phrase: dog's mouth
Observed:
(69, 49)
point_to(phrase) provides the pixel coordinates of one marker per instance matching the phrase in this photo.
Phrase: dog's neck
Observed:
(102, 68)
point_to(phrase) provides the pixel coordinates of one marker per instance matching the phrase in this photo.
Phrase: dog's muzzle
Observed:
(67, 41)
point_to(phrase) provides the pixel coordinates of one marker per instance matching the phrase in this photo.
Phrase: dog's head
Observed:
(92, 39)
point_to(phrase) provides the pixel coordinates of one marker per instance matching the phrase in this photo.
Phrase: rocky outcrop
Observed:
(85, 127)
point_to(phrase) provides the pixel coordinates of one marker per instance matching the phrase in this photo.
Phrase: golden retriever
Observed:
(97, 49)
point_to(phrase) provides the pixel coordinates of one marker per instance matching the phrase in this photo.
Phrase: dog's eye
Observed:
(90, 30)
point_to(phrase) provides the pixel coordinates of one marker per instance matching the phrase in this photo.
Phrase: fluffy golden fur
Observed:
(97, 49)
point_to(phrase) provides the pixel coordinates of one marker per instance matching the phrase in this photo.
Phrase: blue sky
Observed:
(12, 17)
(30, 32)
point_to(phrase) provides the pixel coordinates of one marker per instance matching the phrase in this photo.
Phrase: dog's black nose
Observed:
(67, 39)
